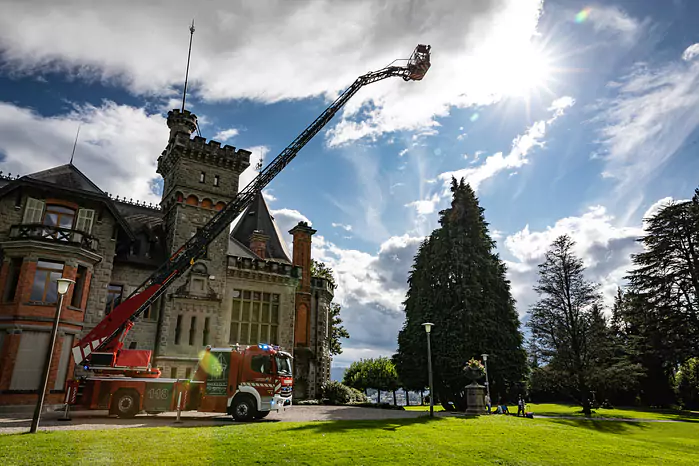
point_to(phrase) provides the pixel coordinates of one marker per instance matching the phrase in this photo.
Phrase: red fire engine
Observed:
(257, 379)
(247, 382)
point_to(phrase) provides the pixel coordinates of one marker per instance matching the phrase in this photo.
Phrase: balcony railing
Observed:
(38, 231)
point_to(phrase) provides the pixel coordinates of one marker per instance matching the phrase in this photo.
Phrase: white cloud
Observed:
(225, 135)
(653, 113)
(690, 52)
(258, 154)
(340, 225)
(616, 21)
(241, 50)
(426, 206)
(117, 148)
(269, 197)
(604, 247)
(522, 145)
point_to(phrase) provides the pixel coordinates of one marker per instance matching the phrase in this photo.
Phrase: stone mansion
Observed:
(247, 289)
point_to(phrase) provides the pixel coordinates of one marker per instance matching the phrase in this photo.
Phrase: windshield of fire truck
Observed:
(283, 365)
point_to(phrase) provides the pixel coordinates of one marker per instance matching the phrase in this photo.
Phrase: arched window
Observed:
(207, 203)
(179, 196)
(220, 205)
(192, 200)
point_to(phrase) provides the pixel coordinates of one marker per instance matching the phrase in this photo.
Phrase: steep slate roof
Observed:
(66, 176)
(257, 217)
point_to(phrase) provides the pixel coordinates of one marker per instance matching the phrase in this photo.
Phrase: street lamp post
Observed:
(428, 329)
(62, 286)
(487, 383)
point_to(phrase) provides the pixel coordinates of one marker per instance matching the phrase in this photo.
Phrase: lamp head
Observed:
(484, 356)
(63, 284)
(428, 326)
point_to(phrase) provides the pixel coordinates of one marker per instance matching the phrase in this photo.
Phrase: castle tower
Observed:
(200, 178)
(302, 257)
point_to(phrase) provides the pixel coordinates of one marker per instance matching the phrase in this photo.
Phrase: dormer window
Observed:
(59, 216)
(202, 177)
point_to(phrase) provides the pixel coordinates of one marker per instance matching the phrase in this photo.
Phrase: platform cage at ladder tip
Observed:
(419, 63)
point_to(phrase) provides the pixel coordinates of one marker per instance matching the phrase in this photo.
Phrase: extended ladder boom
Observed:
(109, 334)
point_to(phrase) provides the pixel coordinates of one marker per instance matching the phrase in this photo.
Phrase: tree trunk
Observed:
(395, 403)
(422, 397)
(407, 397)
(378, 397)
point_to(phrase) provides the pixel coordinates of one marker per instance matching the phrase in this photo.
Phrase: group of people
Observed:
(502, 408)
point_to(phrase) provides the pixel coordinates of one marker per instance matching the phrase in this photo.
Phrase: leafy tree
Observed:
(566, 322)
(688, 384)
(458, 283)
(379, 373)
(661, 313)
(337, 330)
(321, 270)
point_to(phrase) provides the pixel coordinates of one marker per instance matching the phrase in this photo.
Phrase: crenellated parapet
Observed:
(263, 270)
(322, 284)
(200, 151)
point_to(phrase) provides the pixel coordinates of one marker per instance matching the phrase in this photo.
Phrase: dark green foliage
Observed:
(378, 373)
(688, 384)
(458, 283)
(320, 270)
(659, 318)
(337, 331)
(570, 334)
(336, 393)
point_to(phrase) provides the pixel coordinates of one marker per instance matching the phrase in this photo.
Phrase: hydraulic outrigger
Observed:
(102, 348)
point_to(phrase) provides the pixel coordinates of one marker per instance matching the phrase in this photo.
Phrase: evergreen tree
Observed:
(661, 312)
(566, 323)
(458, 283)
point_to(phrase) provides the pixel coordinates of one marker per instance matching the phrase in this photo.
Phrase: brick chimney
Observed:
(258, 243)
(302, 258)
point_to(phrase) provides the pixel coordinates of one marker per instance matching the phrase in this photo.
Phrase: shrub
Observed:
(337, 393)
(687, 380)
(357, 396)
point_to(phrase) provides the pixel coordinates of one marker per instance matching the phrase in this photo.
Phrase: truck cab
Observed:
(246, 382)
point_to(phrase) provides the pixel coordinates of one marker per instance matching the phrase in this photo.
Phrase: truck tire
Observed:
(261, 414)
(126, 404)
(243, 409)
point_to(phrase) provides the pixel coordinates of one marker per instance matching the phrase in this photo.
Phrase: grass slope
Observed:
(485, 440)
(550, 409)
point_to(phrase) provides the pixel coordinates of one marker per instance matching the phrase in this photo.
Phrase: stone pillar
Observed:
(302, 258)
(475, 399)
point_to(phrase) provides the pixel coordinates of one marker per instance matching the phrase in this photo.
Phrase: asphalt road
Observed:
(91, 420)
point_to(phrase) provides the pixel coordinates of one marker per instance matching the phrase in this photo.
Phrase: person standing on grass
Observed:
(487, 402)
(520, 406)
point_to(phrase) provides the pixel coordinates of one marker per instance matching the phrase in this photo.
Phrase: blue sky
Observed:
(566, 116)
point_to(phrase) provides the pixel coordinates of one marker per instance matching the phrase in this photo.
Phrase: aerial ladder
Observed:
(102, 348)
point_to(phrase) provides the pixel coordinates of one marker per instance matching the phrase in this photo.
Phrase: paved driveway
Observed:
(87, 420)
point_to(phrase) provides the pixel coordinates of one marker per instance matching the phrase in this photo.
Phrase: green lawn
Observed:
(483, 440)
(423, 408)
(550, 409)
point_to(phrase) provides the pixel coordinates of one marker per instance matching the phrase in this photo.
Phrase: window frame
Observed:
(241, 325)
(49, 271)
(59, 215)
(107, 309)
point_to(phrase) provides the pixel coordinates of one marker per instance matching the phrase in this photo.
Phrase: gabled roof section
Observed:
(257, 217)
(66, 176)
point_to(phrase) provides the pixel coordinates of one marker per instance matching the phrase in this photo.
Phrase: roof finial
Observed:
(75, 144)
(189, 54)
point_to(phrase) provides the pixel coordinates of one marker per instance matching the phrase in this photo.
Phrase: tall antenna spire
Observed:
(189, 54)
(75, 144)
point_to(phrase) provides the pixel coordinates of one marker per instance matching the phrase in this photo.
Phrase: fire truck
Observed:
(246, 382)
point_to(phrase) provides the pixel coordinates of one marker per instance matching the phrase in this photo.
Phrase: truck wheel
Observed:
(261, 414)
(243, 409)
(126, 404)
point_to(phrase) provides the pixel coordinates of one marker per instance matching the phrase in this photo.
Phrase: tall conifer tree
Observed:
(459, 283)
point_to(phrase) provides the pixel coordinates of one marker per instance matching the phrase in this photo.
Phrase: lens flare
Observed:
(210, 363)
(474, 117)
(583, 15)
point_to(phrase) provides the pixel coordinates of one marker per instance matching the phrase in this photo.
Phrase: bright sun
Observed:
(530, 72)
